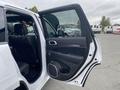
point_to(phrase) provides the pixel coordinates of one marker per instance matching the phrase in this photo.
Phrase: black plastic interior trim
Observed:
(66, 57)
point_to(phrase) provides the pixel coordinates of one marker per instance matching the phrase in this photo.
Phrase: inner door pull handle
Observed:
(52, 42)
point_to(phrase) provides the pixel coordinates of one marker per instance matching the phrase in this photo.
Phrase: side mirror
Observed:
(61, 33)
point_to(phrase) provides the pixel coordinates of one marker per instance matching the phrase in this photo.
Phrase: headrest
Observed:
(20, 29)
(53, 20)
(10, 28)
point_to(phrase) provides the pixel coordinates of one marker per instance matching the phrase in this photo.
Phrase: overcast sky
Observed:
(94, 9)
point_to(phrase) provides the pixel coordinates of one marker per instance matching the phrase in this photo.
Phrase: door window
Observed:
(63, 24)
(2, 26)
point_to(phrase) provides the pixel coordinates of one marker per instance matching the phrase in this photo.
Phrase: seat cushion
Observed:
(24, 67)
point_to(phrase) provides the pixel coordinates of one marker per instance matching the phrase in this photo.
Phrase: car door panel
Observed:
(65, 57)
(69, 53)
(68, 45)
(69, 58)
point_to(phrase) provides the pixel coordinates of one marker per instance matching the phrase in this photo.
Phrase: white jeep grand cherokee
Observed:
(35, 47)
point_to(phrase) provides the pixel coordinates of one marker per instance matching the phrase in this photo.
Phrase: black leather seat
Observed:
(20, 29)
(10, 27)
(24, 67)
(14, 40)
(25, 45)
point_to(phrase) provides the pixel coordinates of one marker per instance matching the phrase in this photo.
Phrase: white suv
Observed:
(35, 47)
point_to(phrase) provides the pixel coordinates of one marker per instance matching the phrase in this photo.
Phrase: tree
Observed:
(105, 22)
(108, 23)
(34, 9)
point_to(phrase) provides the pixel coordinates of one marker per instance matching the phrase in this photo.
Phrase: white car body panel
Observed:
(44, 76)
(9, 71)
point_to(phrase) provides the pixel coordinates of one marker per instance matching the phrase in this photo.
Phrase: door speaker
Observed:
(54, 69)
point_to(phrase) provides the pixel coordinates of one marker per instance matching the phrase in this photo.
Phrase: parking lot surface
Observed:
(105, 76)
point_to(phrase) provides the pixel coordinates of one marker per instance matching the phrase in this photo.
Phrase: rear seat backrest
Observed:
(18, 29)
(10, 28)
(24, 45)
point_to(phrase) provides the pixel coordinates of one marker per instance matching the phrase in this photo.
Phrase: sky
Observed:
(94, 9)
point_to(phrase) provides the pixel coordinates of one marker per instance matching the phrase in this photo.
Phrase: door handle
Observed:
(52, 42)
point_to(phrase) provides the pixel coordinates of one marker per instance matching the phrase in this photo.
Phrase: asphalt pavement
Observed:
(105, 76)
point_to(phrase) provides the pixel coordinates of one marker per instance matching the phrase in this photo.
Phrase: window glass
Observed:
(20, 24)
(30, 26)
(63, 24)
(2, 26)
(51, 32)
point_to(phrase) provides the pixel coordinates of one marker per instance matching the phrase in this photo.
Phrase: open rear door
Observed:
(72, 49)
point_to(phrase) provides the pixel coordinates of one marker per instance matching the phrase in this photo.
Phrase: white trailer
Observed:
(96, 28)
(108, 29)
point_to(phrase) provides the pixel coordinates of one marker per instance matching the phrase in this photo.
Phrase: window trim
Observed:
(5, 41)
(50, 26)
